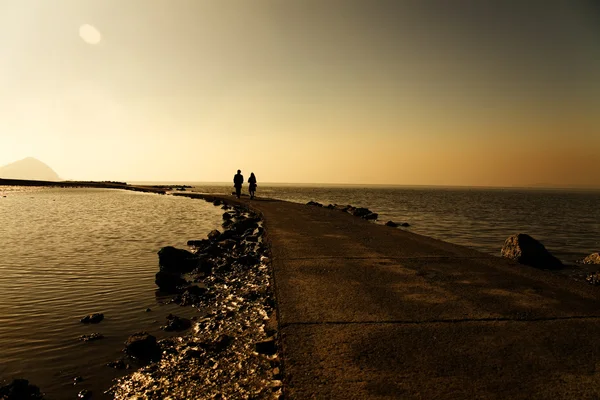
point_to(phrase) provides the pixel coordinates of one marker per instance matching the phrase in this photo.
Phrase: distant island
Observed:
(30, 169)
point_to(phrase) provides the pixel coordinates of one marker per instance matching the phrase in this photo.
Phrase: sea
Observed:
(66, 253)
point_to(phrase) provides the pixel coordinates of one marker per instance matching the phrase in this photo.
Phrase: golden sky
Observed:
(369, 92)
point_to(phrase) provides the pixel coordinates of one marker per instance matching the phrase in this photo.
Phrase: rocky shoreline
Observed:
(232, 350)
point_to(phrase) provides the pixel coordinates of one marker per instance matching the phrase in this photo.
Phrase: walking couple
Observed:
(238, 181)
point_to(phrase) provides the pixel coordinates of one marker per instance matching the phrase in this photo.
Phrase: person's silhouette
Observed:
(238, 180)
(252, 185)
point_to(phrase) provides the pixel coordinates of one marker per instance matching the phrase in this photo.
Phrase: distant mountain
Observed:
(28, 168)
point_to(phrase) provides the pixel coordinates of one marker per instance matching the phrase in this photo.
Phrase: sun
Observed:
(90, 34)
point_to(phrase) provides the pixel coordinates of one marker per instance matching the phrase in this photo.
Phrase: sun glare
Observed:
(90, 34)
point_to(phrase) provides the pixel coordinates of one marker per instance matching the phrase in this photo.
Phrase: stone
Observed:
(92, 318)
(20, 389)
(77, 379)
(118, 364)
(217, 202)
(227, 244)
(84, 394)
(391, 223)
(91, 337)
(314, 203)
(175, 323)
(359, 211)
(594, 278)
(227, 216)
(171, 259)
(526, 250)
(143, 346)
(214, 235)
(199, 244)
(268, 347)
(593, 258)
(405, 224)
(169, 282)
(371, 216)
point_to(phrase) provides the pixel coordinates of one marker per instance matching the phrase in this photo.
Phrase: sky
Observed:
(469, 93)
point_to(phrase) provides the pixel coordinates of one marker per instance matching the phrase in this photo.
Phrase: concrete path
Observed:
(372, 312)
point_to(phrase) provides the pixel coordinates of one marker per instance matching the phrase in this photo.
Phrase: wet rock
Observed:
(84, 394)
(227, 216)
(118, 364)
(171, 259)
(175, 323)
(143, 346)
(217, 202)
(77, 380)
(371, 216)
(314, 203)
(594, 278)
(227, 244)
(331, 206)
(91, 337)
(192, 295)
(199, 244)
(252, 238)
(148, 309)
(92, 318)
(20, 389)
(226, 224)
(214, 235)
(248, 259)
(526, 250)
(593, 258)
(268, 347)
(405, 224)
(392, 224)
(169, 282)
(359, 211)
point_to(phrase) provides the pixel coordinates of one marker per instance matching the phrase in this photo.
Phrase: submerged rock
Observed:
(91, 337)
(391, 223)
(20, 389)
(526, 250)
(143, 346)
(371, 216)
(84, 394)
(92, 318)
(593, 258)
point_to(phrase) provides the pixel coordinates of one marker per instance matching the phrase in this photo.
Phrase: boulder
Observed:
(217, 202)
(143, 346)
(171, 259)
(526, 250)
(359, 211)
(168, 281)
(20, 389)
(92, 318)
(405, 224)
(593, 258)
(227, 216)
(392, 224)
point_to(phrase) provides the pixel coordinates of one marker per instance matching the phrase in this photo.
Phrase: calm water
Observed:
(65, 253)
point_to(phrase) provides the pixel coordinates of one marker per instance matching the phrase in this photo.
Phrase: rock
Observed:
(594, 278)
(20, 389)
(405, 224)
(77, 379)
(171, 259)
(148, 309)
(252, 238)
(593, 258)
(118, 364)
(526, 250)
(242, 226)
(92, 318)
(268, 347)
(91, 337)
(371, 216)
(199, 244)
(227, 244)
(175, 323)
(227, 223)
(84, 394)
(217, 202)
(214, 235)
(169, 282)
(227, 216)
(331, 206)
(392, 224)
(314, 203)
(143, 346)
(192, 295)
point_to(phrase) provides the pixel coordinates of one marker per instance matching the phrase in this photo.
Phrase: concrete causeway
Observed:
(371, 312)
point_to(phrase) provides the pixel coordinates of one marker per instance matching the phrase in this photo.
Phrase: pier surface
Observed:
(372, 312)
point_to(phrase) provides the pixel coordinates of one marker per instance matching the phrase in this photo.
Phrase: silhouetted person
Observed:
(252, 185)
(238, 181)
